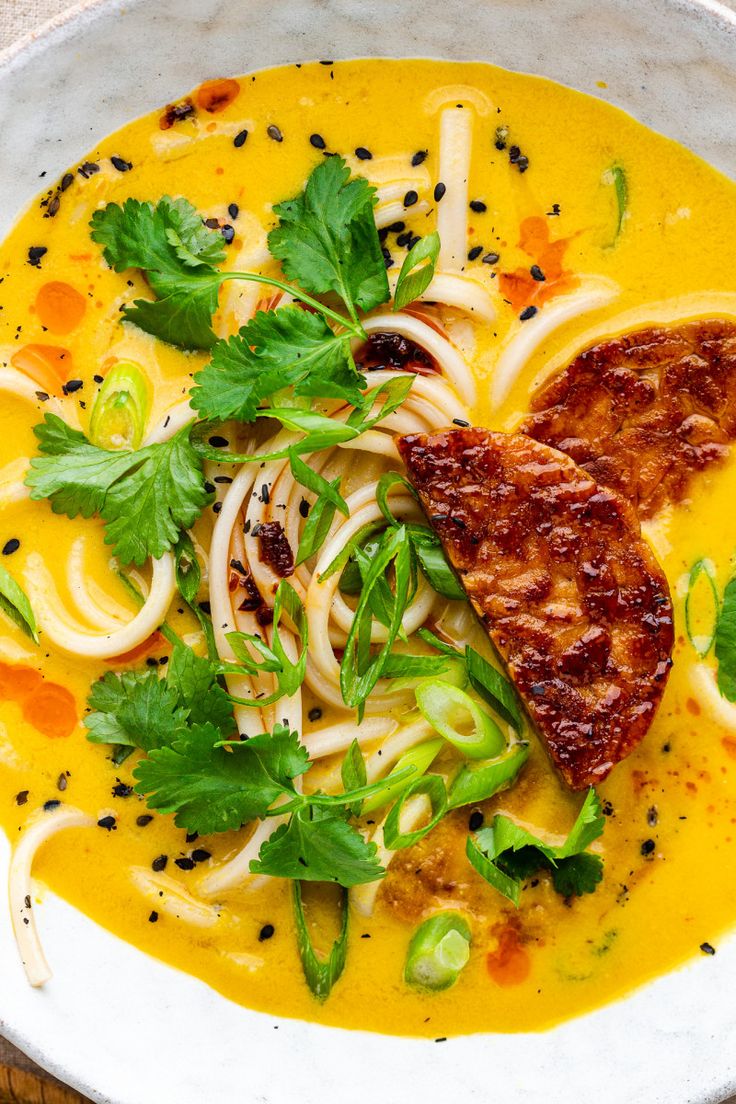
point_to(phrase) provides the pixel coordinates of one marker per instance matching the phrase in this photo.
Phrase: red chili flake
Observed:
(174, 113)
(391, 350)
(275, 549)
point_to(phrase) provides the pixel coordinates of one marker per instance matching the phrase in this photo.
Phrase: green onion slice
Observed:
(14, 604)
(433, 786)
(459, 719)
(420, 757)
(121, 409)
(473, 784)
(321, 974)
(701, 605)
(438, 952)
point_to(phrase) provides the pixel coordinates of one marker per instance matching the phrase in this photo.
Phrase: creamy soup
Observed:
(562, 223)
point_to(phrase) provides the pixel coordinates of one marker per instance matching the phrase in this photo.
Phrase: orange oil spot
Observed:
(519, 286)
(216, 95)
(509, 964)
(52, 711)
(60, 307)
(47, 365)
(50, 708)
(692, 707)
(729, 745)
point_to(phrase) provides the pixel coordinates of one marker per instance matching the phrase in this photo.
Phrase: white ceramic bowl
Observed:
(123, 1027)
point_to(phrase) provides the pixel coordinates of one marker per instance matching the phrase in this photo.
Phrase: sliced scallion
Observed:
(434, 788)
(473, 784)
(438, 952)
(321, 974)
(459, 719)
(701, 606)
(121, 409)
(420, 757)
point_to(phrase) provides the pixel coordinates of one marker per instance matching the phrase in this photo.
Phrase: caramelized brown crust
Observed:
(645, 412)
(568, 591)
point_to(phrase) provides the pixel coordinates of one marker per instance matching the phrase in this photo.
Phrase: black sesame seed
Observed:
(192, 836)
(419, 157)
(396, 227)
(11, 546)
(648, 846)
(439, 191)
(475, 252)
(200, 855)
(478, 206)
(143, 820)
(205, 608)
(227, 232)
(159, 863)
(522, 164)
(275, 133)
(21, 798)
(537, 273)
(66, 180)
(153, 917)
(218, 442)
(209, 487)
(707, 948)
(212, 223)
(514, 154)
(216, 507)
(404, 239)
(475, 820)
(265, 496)
(528, 312)
(121, 789)
(99, 379)
(492, 258)
(304, 508)
(35, 253)
(121, 165)
(72, 385)
(410, 198)
(460, 422)
(62, 782)
(315, 714)
(239, 139)
(88, 169)
(233, 210)
(223, 479)
(317, 141)
(363, 154)
(49, 806)
(185, 864)
(106, 822)
(266, 932)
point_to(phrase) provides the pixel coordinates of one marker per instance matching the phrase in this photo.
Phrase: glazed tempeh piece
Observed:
(645, 412)
(567, 589)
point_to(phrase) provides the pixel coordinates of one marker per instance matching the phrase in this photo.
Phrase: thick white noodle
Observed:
(13, 382)
(169, 896)
(41, 827)
(338, 737)
(449, 359)
(12, 487)
(79, 583)
(170, 423)
(380, 761)
(236, 872)
(455, 289)
(389, 213)
(526, 337)
(457, 93)
(363, 897)
(456, 144)
(52, 622)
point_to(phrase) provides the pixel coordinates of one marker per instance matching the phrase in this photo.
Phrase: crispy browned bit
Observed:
(391, 350)
(275, 549)
(566, 588)
(645, 412)
(174, 113)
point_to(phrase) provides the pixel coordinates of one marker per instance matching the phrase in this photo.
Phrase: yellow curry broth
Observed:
(553, 959)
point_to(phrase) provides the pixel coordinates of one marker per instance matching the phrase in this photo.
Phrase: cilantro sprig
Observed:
(505, 854)
(146, 496)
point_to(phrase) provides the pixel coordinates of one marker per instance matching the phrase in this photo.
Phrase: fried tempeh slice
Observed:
(567, 589)
(645, 412)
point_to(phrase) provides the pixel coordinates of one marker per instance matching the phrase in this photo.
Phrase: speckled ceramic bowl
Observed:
(123, 1027)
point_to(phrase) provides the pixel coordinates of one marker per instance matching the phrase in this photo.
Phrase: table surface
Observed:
(21, 1081)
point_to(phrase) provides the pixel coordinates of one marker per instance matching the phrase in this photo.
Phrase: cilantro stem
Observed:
(353, 326)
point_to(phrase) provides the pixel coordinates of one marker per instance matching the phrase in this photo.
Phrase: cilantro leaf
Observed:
(577, 875)
(135, 709)
(193, 679)
(289, 673)
(416, 276)
(210, 788)
(177, 252)
(725, 644)
(276, 349)
(318, 847)
(506, 854)
(14, 604)
(145, 496)
(327, 240)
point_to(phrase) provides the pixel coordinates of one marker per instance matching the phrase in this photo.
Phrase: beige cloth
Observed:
(18, 17)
